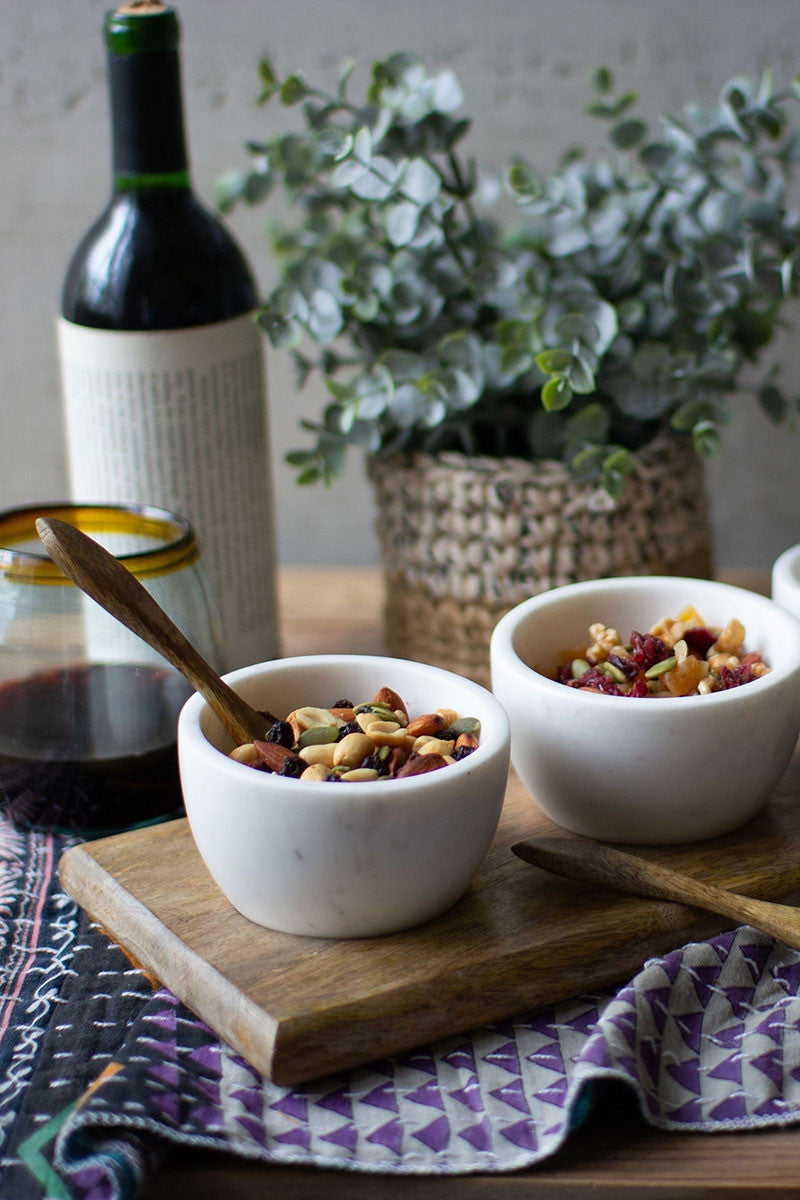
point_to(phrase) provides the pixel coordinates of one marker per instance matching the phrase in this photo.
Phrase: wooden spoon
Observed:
(584, 860)
(106, 580)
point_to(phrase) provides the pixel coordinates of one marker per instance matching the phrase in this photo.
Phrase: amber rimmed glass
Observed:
(88, 712)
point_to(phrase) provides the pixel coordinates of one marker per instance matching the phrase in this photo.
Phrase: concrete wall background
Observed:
(524, 65)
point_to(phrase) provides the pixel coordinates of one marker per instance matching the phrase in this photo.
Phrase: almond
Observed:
(467, 739)
(272, 755)
(430, 723)
(420, 764)
(345, 715)
(390, 698)
(397, 756)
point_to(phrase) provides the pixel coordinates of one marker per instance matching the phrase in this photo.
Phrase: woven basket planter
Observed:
(465, 539)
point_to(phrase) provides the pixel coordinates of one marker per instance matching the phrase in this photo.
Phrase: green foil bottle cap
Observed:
(139, 28)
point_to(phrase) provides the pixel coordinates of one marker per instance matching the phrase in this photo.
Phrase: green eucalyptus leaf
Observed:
(515, 362)
(308, 476)
(554, 361)
(401, 221)
(602, 80)
(706, 439)
(523, 180)
(293, 90)
(556, 394)
(335, 143)
(627, 134)
(587, 463)
(420, 182)
(378, 181)
(349, 173)
(773, 402)
(325, 318)
(344, 78)
(581, 376)
(447, 93)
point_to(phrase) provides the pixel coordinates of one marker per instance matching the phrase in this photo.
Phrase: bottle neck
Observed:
(148, 140)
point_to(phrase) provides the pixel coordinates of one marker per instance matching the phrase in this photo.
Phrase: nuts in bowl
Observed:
(329, 855)
(638, 761)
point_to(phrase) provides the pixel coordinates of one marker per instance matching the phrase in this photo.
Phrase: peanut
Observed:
(246, 753)
(316, 771)
(322, 753)
(352, 750)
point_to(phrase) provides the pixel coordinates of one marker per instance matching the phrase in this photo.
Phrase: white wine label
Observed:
(178, 419)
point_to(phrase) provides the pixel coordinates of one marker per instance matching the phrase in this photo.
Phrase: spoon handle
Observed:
(584, 860)
(114, 588)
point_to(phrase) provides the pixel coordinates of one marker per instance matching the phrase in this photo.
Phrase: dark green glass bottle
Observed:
(155, 258)
(162, 362)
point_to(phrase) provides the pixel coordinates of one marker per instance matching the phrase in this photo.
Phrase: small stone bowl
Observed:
(345, 859)
(651, 770)
(786, 580)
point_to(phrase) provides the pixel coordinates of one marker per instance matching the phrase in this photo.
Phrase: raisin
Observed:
(463, 752)
(293, 767)
(282, 733)
(343, 704)
(349, 726)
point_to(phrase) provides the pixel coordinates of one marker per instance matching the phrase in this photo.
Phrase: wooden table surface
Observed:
(615, 1155)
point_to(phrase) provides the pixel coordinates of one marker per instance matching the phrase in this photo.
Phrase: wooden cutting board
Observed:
(298, 1007)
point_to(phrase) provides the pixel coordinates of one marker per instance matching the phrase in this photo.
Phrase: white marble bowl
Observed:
(343, 859)
(786, 580)
(648, 770)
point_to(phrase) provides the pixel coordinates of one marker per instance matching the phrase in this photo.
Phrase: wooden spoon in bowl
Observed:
(107, 581)
(588, 861)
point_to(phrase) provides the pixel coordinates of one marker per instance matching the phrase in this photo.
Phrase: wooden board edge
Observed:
(245, 1025)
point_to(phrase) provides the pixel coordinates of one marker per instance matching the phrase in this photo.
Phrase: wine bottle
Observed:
(161, 359)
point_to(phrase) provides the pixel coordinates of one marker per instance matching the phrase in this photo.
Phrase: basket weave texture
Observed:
(465, 539)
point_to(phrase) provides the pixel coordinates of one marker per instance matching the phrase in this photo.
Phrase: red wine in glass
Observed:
(91, 749)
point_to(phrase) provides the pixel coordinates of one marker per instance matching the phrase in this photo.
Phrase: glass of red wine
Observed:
(88, 712)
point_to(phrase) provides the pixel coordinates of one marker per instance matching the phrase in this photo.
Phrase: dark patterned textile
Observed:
(102, 1068)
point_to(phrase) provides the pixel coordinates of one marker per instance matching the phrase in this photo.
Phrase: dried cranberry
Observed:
(638, 688)
(699, 640)
(647, 649)
(598, 681)
(731, 677)
(565, 673)
(282, 733)
(628, 666)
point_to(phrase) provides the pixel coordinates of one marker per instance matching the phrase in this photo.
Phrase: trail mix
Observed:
(676, 657)
(361, 742)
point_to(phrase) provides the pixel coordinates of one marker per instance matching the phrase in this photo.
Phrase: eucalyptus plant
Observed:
(631, 292)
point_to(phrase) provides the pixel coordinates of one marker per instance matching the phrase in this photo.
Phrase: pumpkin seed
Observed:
(613, 672)
(466, 725)
(578, 667)
(661, 668)
(318, 735)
